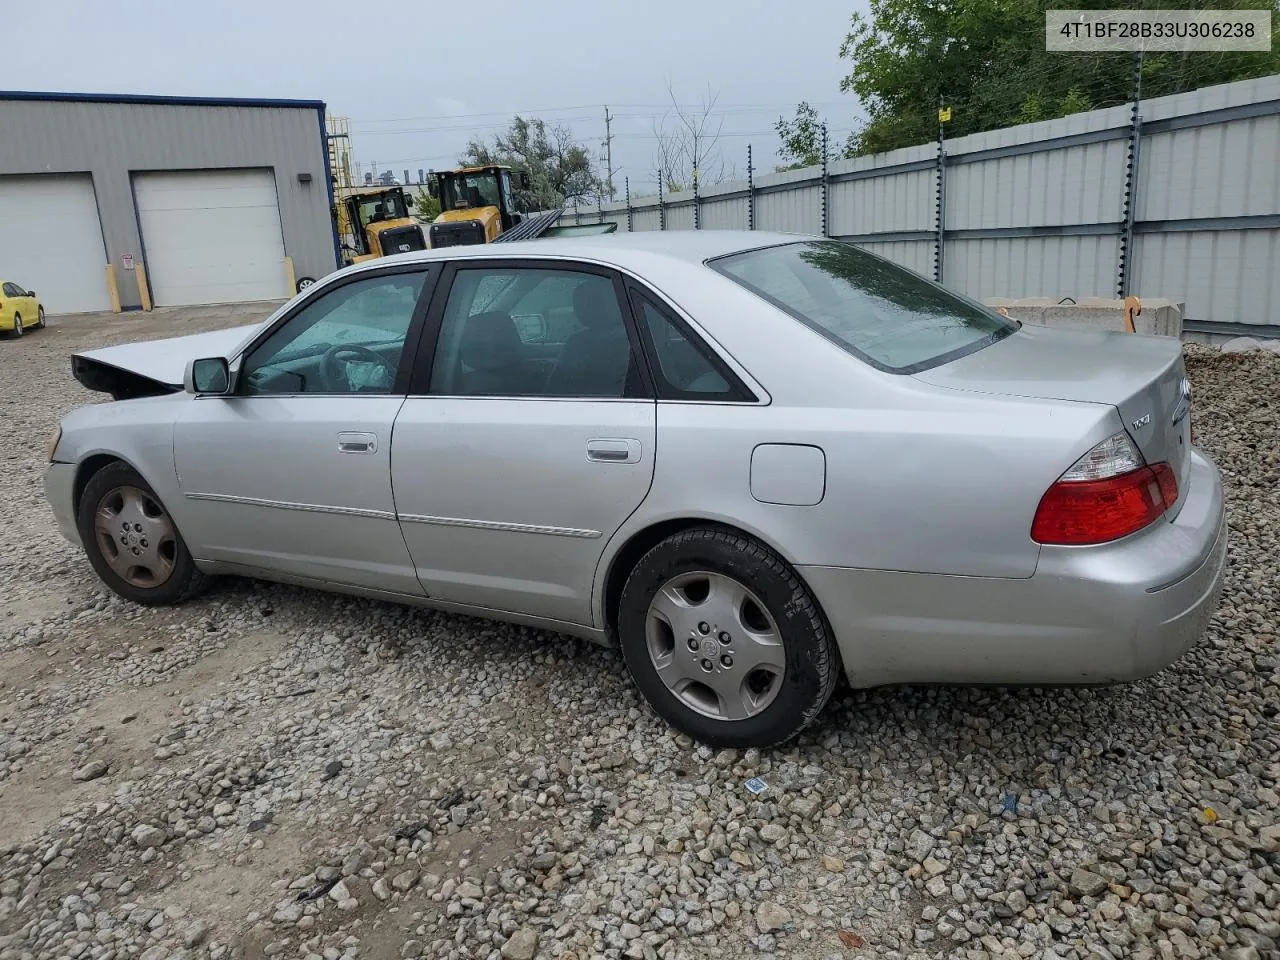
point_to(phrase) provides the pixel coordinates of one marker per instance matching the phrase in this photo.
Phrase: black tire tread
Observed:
(826, 661)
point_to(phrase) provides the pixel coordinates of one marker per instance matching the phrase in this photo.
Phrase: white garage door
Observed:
(211, 236)
(51, 241)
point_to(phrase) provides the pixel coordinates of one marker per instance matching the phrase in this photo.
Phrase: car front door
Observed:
(291, 472)
(15, 301)
(527, 439)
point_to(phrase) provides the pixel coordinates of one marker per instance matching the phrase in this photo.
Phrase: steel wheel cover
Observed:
(715, 645)
(136, 537)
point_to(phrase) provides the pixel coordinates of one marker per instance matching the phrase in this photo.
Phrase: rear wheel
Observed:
(40, 319)
(725, 641)
(132, 542)
(17, 325)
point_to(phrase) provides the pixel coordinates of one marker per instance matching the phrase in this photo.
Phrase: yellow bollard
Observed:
(113, 290)
(144, 293)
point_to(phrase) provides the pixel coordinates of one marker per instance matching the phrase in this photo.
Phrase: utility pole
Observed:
(608, 148)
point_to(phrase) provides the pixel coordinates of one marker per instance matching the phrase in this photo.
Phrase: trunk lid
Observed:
(1143, 377)
(153, 366)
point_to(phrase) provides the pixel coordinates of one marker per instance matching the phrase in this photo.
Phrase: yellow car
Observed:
(19, 309)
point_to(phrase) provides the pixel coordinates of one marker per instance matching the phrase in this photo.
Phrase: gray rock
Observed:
(771, 916)
(146, 836)
(521, 945)
(1085, 883)
(773, 833)
(90, 771)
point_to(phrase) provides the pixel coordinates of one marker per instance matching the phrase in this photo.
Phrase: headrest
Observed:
(595, 304)
(490, 341)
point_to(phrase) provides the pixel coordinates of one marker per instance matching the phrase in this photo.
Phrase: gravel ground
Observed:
(273, 771)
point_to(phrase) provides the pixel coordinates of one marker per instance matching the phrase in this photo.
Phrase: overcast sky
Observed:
(418, 78)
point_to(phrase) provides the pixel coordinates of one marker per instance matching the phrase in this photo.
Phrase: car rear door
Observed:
(292, 473)
(527, 438)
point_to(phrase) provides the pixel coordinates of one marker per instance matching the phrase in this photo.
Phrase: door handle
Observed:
(357, 442)
(613, 451)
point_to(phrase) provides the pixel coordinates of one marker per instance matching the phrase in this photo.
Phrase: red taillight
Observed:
(1079, 512)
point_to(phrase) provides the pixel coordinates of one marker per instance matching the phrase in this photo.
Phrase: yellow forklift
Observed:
(479, 205)
(374, 221)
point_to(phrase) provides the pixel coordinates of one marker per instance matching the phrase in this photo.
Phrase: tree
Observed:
(987, 59)
(426, 207)
(559, 168)
(801, 138)
(688, 140)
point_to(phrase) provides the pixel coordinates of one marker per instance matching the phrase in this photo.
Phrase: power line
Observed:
(749, 107)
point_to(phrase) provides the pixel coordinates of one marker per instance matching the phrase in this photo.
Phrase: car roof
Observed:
(621, 249)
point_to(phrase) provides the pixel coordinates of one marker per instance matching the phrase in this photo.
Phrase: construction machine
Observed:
(374, 221)
(479, 205)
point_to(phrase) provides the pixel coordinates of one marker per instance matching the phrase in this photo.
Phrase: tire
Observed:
(717, 575)
(40, 319)
(304, 282)
(17, 325)
(162, 572)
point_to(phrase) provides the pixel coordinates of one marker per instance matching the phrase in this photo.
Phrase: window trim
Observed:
(411, 341)
(420, 385)
(715, 264)
(739, 392)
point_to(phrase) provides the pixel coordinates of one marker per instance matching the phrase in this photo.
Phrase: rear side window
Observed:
(684, 368)
(884, 314)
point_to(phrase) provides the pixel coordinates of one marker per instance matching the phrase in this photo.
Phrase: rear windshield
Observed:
(884, 314)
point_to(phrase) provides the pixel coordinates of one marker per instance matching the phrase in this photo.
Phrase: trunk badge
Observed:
(1184, 400)
(1141, 422)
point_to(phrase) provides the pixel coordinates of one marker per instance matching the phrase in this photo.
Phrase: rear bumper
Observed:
(1098, 614)
(59, 487)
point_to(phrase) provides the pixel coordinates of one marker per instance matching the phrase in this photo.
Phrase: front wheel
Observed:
(40, 319)
(725, 641)
(132, 542)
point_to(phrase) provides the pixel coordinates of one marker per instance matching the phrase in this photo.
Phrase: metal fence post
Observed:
(599, 208)
(751, 192)
(697, 203)
(940, 214)
(627, 183)
(825, 182)
(1124, 267)
(662, 206)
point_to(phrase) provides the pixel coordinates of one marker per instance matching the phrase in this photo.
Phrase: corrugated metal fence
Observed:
(1040, 209)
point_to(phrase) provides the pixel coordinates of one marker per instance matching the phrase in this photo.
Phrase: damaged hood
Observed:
(152, 367)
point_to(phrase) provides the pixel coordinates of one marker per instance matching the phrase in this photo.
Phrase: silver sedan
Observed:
(753, 461)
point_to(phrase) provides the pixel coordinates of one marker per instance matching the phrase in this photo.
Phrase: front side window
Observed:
(11, 289)
(470, 190)
(874, 309)
(534, 333)
(347, 340)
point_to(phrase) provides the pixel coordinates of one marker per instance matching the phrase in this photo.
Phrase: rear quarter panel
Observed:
(913, 482)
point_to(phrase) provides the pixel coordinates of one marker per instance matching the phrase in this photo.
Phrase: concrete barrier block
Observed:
(1160, 316)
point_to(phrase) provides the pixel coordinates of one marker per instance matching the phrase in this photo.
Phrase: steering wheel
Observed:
(334, 376)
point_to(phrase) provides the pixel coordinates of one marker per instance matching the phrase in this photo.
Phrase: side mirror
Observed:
(31, 293)
(211, 375)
